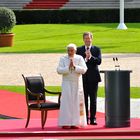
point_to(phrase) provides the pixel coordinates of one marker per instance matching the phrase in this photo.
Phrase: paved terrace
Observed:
(13, 65)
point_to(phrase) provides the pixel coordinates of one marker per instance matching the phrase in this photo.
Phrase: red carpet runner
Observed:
(14, 105)
(15, 128)
(45, 4)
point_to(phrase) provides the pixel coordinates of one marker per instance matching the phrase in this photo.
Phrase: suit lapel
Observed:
(83, 48)
(83, 51)
(92, 50)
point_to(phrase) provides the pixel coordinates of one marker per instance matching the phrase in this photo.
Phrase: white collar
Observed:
(88, 47)
(70, 57)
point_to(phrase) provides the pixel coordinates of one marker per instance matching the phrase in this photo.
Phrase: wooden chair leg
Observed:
(42, 119)
(28, 118)
(45, 116)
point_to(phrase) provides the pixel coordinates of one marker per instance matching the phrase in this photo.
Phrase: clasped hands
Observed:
(88, 55)
(71, 66)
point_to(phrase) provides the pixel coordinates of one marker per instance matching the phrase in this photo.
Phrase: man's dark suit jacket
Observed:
(92, 74)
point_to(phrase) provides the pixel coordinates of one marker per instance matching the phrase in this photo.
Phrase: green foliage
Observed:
(21, 89)
(75, 16)
(17, 89)
(135, 91)
(7, 20)
(52, 38)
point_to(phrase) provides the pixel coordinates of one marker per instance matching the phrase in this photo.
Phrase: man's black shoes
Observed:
(93, 122)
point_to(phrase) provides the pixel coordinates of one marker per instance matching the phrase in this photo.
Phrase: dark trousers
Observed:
(90, 90)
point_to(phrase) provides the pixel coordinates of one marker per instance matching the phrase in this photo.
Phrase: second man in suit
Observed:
(92, 57)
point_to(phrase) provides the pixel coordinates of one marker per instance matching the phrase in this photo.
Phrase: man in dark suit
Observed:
(91, 78)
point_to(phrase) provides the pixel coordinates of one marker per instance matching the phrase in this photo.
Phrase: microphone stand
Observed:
(117, 66)
(116, 63)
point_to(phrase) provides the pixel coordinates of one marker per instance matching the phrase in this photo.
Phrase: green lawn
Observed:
(21, 89)
(135, 91)
(52, 38)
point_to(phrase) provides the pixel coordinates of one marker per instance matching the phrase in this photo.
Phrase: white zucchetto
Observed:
(72, 45)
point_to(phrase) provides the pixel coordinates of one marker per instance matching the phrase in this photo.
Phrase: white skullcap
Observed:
(71, 45)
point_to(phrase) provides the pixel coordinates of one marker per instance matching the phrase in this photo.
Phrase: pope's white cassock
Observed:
(72, 107)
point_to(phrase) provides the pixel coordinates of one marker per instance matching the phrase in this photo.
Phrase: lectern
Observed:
(117, 98)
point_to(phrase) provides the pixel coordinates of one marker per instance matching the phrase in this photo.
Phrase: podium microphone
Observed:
(118, 66)
(114, 60)
(116, 63)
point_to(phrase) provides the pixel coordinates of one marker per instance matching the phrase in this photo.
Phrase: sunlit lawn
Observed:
(135, 91)
(46, 38)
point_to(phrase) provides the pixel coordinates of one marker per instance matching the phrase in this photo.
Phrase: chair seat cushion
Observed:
(47, 105)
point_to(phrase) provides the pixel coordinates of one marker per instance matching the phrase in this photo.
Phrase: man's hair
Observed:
(87, 33)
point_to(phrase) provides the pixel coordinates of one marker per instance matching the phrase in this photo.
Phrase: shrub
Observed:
(75, 16)
(7, 20)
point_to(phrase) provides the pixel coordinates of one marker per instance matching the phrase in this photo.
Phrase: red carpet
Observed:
(14, 105)
(45, 4)
(15, 128)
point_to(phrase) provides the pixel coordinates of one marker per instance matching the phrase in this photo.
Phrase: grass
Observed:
(21, 89)
(135, 91)
(52, 38)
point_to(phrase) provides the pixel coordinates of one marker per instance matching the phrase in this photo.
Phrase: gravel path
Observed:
(13, 65)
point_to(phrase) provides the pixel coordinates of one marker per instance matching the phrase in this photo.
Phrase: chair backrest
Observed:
(36, 85)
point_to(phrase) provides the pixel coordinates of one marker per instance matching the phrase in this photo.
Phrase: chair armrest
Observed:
(35, 94)
(59, 97)
(50, 92)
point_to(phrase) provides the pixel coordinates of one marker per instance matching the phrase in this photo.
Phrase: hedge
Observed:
(75, 16)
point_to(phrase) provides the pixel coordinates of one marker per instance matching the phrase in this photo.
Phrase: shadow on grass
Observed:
(111, 25)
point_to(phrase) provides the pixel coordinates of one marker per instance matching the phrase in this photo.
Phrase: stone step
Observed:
(72, 4)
